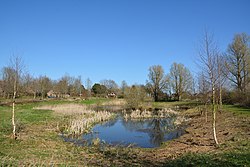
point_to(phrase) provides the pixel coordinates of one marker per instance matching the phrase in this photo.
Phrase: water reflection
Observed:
(147, 133)
(156, 128)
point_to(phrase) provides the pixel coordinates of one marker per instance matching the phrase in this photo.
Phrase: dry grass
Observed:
(80, 120)
(138, 114)
(115, 102)
(82, 123)
(67, 109)
(165, 113)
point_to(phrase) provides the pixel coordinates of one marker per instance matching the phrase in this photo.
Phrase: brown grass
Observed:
(138, 114)
(81, 118)
(68, 109)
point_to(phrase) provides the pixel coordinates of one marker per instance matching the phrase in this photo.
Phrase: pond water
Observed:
(147, 133)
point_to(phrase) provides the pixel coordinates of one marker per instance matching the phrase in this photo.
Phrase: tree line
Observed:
(223, 75)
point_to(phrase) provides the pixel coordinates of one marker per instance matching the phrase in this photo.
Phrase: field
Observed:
(40, 144)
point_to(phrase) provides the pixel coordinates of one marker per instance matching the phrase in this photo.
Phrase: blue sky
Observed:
(114, 39)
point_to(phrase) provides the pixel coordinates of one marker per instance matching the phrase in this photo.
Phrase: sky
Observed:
(114, 39)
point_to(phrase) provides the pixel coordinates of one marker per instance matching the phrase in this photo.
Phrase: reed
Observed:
(180, 120)
(138, 114)
(80, 119)
(83, 123)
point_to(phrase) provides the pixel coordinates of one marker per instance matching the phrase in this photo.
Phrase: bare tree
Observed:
(124, 86)
(208, 64)
(44, 84)
(157, 81)
(17, 67)
(34, 86)
(88, 85)
(64, 84)
(204, 88)
(1, 88)
(78, 86)
(221, 75)
(238, 61)
(181, 79)
(111, 85)
(28, 85)
(8, 74)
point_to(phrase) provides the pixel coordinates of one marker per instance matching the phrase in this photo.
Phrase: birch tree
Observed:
(208, 63)
(204, 88)
(17, 67)
(88, 85)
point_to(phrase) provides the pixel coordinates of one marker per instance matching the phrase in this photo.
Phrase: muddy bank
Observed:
(232, 133)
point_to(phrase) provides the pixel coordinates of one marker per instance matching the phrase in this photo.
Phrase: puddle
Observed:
(147, 133)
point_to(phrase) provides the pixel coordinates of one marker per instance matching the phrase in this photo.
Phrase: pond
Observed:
(147, 133)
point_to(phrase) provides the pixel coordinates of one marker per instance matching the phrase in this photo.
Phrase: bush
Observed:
(135, 97)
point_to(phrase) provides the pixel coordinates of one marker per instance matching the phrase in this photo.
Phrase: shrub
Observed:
(135, 97)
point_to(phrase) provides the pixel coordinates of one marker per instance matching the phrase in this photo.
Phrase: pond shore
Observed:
(38, 142)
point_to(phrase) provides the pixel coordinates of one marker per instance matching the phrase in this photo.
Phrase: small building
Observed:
(111, 95)
(51, 94)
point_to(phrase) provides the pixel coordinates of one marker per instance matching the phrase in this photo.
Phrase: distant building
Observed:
(51, 94)
(111, 95)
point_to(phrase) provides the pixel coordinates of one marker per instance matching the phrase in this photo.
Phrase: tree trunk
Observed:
(34, 95)
(214, 116)
(42, 95)
(156, 96)
(13, 120)
(13, 115)
(220, 96)
(206, 111)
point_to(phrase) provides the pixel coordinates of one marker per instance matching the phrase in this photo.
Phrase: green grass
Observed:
(95, 101)
(5, 121)
(175, 103)
(40, 144)
(25, 115)
(237, 109)
(221, 159)
(38, 141)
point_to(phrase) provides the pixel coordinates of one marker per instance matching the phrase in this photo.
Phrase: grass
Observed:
(237, 109)
(175, 103)
(95, 101)
(221, 159)
(5, 121)
(79, 119)
(39, 144)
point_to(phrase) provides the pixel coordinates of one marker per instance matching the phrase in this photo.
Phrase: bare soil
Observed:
(233, 132)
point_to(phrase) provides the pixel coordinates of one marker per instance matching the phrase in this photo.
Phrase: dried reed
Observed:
(138, 114)
(81, 118)
(82, 123)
